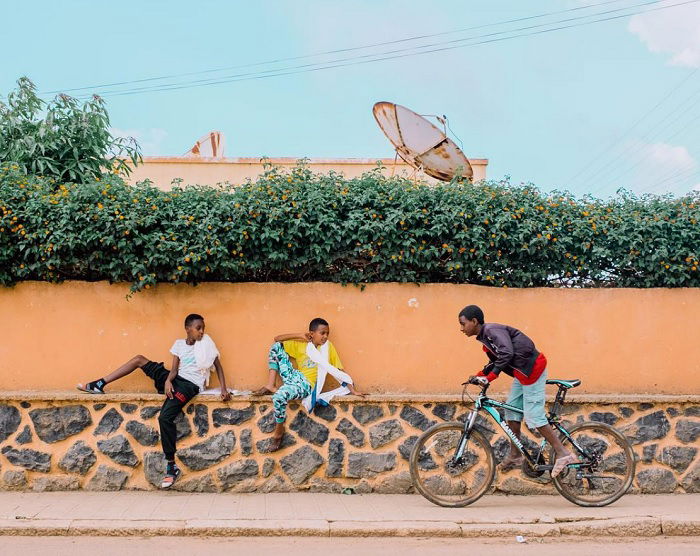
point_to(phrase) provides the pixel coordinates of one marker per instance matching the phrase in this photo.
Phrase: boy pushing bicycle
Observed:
(512, 352)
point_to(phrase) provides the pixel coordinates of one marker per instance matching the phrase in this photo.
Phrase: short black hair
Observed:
(189, 319)
(472, 312)
(318, 321)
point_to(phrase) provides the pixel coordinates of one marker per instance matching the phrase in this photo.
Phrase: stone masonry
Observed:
(65, 441)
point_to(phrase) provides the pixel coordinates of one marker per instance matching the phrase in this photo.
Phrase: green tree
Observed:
(62, 139)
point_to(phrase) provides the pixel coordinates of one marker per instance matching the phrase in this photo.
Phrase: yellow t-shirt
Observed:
(297, 349)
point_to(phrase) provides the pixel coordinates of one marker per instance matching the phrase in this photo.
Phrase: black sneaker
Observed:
(95, 387)
(172, 472)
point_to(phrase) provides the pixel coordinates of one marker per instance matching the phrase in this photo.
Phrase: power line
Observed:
(365, 57)
(339, 50)
(677, 178)
(665, 123)
(587, 167)
(381, 57)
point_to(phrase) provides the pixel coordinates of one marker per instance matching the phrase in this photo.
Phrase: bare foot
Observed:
(561, 463)
(277, 437)
(264, 391)
(511, 462)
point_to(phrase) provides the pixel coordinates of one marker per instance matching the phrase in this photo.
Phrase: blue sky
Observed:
(554, 109)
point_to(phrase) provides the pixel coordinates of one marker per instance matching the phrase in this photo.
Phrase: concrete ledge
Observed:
(622, 527)
(680, 527)
(572, 397)
(394, 529)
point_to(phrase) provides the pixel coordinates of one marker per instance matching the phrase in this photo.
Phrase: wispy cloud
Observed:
(675, 32)
(665, 168)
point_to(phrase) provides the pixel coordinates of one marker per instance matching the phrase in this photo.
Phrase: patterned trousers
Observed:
(295, 385)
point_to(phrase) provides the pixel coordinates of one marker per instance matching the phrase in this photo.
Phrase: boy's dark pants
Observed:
(184, 391)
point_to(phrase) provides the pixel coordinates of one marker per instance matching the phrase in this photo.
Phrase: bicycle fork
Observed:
(468, 426)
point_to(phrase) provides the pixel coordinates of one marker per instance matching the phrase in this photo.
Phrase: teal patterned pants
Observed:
(295, 386)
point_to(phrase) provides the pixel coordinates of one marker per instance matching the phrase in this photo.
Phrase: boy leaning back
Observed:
(302, 361)
(512, 352)
(193, 358)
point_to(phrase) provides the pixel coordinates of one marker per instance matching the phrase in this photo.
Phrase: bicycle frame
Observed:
(491, 407)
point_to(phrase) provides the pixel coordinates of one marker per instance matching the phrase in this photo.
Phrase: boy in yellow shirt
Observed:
(302, 361)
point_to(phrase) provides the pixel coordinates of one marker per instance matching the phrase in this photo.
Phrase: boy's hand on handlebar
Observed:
(478, 380)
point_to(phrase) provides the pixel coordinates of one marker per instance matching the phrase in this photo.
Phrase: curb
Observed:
(620, 527)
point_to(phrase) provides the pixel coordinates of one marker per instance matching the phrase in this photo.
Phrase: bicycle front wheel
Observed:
(609, 466)
(441, 478)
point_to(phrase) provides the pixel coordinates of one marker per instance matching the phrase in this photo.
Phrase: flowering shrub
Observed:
(305, 227)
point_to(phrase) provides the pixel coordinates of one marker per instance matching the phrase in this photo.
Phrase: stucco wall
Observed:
(162, 170)
(391, 337)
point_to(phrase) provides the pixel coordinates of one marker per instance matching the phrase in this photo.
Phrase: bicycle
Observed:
(452, 464)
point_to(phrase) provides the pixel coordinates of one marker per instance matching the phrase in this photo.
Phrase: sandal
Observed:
(561, 463)
(264, 391)
(94, 387)
(171, 476)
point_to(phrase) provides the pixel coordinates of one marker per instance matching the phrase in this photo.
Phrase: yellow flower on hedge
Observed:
(99, 206)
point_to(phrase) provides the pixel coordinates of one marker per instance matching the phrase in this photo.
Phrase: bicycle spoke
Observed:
(441, 476)
(606, 466)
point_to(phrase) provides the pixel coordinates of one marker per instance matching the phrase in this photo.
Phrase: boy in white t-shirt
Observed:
(193, 358)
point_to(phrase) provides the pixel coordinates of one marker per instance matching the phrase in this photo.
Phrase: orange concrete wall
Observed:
(209, 171)
(391, 337)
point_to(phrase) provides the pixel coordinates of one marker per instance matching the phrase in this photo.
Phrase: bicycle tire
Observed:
(564, 483)
(417, 466)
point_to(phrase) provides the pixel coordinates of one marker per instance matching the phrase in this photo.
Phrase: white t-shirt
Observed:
(188, 364)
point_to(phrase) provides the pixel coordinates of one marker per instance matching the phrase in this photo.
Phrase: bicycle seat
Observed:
(568, 383)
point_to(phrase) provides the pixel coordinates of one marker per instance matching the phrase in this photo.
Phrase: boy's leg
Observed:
(515, 398)
(97, 386)
(277, 359)
(295, 388)
(535, 417)
(172, 407)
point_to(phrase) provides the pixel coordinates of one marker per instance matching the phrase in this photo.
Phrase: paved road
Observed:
(195, 546)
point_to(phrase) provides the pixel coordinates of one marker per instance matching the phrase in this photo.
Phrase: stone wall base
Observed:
(61, 441)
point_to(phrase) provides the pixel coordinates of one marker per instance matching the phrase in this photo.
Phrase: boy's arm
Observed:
(501, 339)
(352, 388)
(225, 395)
(173, 373)
(303, 336)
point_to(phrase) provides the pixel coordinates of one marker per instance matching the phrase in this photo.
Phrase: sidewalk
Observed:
(336, 515)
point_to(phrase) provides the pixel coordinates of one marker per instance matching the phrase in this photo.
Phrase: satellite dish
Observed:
(420, 143)
(210, 145)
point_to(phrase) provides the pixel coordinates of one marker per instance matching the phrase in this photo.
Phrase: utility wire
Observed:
(392, 55)
(336, 51)
(649, 138)
(677, 178)
(589, 165)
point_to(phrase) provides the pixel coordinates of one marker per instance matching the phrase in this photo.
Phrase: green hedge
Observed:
(303, 227)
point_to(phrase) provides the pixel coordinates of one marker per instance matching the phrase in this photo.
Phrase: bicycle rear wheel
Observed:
(441, 479)
(609, 468)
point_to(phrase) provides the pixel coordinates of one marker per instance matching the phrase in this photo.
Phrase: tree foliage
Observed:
(306, 227)
(61, 139)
